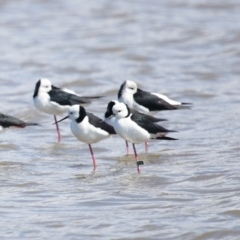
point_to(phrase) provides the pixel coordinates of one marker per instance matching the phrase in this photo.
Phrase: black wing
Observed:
(152, 102)
(164, 138)
(7, 121)
(151, 118)
(148, 125)
(64, 98)
(99, 123)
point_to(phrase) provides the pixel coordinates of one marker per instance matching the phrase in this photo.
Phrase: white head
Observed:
(43, 85)
(120, 110)
(74, 112)
(128, 87)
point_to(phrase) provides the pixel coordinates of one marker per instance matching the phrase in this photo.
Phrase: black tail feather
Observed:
(183, 103)
(165, 138)
(31, 124)
(184, 106)
(92, 97)
(153, 119)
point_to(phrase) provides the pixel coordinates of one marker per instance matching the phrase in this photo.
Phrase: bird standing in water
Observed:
(88, 128)
(136, 130)
(138, 116)
(56, 101)
(146, 102)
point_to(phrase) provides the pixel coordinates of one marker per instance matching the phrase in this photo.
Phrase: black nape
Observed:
(121, 89)
(37, 86)
(109, 111)
(82, 114)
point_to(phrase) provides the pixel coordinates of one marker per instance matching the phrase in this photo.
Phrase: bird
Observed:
(88, 128)
(137, 116)
(146, 102)
(56, 101)
(134, 129)
(7, 121)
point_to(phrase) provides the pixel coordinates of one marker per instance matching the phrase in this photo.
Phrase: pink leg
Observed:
(93, 158)
(128, 151)
(136, 157)
(58, 130)
(146, 146)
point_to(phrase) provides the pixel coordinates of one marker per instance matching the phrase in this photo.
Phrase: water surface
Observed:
(188, 189)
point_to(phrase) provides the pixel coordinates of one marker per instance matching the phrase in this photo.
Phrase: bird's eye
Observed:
(71, 113)
(132, 88)
(119, 111)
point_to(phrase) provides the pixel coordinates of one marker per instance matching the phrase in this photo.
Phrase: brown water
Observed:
(188, 189)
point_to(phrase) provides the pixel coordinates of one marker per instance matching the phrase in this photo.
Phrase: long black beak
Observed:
(60, 120)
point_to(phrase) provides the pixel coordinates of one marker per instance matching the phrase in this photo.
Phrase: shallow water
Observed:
(188, 189)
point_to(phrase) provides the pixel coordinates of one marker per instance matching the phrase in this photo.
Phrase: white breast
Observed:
(128, 99)
(42, 103)
(87, 133)
(130, 131)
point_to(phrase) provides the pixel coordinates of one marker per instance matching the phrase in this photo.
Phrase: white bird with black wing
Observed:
(56, 101)
(138, 116)
(134, 129)
(146, 102)
(87, 127)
